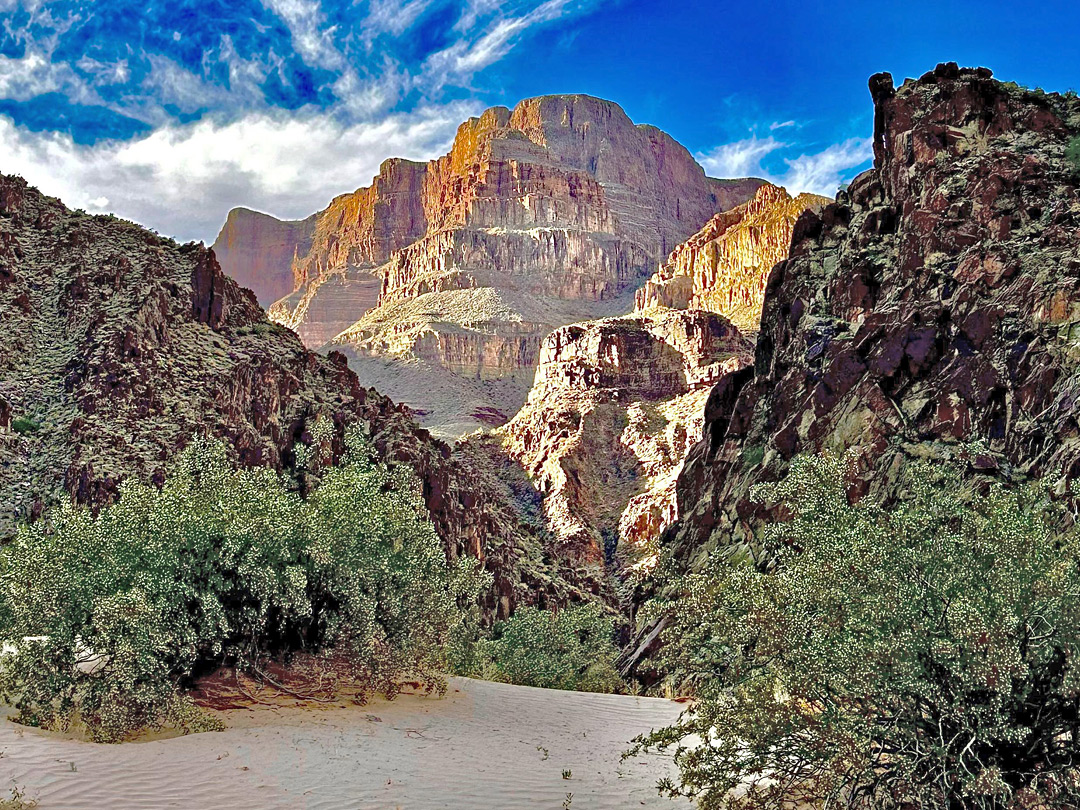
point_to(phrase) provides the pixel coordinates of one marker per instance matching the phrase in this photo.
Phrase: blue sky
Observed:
(170, 113)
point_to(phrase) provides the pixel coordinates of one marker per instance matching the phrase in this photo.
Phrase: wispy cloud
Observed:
(481, 46)
(312, 41)
(824, 171)
(739, 159)
(393, 17)
(820, 172)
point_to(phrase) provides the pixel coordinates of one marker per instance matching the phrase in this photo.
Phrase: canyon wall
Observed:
(724, 266)
(618, 403)
(119, 346)
(257, 250)
(932, 312)
(558, 209)
(615, 406)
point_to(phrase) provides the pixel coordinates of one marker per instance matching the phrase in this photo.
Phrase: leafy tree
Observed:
(923, 656)
(223, 566)
(571, 648)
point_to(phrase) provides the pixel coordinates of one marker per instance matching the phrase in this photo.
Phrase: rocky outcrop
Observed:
(559, 208)
(615, 406)
(118, 346)
(257, 250)
(724, 266)
(931, 312)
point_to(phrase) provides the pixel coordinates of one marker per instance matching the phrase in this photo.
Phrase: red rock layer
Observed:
(562, 197)
(257, 250)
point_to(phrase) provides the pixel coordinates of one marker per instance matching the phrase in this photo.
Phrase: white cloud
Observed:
(781, 124)
(35, 74)
(823, 172)
(182, 180)
(818, 173)
(739, 159)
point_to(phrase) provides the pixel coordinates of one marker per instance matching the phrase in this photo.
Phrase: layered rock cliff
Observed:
(551, 213)
(932, 312)
(615, 406)
(118, 346)
(724, 266)
(257, 250)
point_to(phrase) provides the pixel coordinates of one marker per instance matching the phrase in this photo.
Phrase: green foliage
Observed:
(923, 656)
(223, 566)
(1072, 154)
(753, 455)
(24, 425)
(571, 648)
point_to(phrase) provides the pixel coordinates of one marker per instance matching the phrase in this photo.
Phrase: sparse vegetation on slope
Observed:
(111, 615)
(1072, 153)
(915, 657)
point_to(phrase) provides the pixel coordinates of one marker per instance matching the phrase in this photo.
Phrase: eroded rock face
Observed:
(118, 346)
(724, 266)
(932, 311)
(560, 208)
(257, 250)
(615, 406)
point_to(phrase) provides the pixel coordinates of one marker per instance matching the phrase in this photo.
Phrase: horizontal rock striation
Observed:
(724, 266)
(119, 346)
(933, 311)
(615, 406)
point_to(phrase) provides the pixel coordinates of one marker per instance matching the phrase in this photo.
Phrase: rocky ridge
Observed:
(119, 346)
(931, 312)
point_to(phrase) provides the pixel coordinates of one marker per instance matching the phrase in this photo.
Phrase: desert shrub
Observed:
(924, 656)
(1072, 154)
(24, 425)
(223, 566)
(17, 800)
(571, 648)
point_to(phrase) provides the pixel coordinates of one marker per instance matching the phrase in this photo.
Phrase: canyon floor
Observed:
(484, 746)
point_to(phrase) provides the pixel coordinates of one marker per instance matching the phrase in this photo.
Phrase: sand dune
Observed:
(485, 746)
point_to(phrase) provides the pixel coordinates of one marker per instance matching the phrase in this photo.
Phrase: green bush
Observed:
(24, 425)
(571, 648)
(926, 656)
(223, 566)
(1072, 154)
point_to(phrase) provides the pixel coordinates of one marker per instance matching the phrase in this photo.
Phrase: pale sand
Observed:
(475, 749)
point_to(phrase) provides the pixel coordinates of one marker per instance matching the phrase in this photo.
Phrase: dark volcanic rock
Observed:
(118, 346)
(932, 311)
